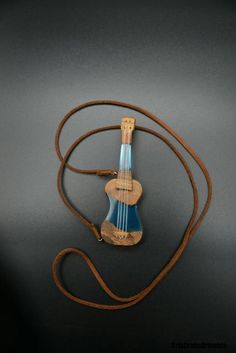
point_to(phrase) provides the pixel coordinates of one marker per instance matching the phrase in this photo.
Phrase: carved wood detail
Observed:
(113, 235)
(130, 197)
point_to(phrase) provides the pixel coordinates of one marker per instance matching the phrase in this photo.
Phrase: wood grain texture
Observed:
(124, 180)
(130, 197)
(127, 128)
(113, 235)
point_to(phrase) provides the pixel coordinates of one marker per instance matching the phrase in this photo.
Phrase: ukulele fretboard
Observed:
(124, 178)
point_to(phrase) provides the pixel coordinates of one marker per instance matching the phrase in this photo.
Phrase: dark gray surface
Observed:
(176, 61)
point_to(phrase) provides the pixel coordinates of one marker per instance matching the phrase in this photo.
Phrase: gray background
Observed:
(176, 60)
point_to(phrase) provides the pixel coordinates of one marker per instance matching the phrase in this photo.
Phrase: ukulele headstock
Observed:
(127, 128)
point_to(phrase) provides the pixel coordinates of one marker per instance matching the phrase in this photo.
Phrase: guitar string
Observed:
(120, 190)
(125, 185)
(118, 207)
(127, 192)
(119, 193)
(123, 178)
(120, 186)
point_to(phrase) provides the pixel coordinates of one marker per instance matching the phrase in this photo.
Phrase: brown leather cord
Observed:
(191, 227)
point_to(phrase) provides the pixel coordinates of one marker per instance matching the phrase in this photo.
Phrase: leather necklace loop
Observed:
(191, 227)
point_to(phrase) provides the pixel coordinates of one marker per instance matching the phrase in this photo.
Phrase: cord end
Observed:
(106, 172)
(96, 232)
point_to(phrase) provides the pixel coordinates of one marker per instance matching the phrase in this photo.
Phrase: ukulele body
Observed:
(122, 225)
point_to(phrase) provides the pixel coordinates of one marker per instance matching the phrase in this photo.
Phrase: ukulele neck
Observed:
(124, 178)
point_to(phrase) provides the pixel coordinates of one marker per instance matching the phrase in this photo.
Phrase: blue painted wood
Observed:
(122, 216)
(133, 220)
(125, 157)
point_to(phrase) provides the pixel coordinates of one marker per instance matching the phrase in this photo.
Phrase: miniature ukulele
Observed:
(122, 225)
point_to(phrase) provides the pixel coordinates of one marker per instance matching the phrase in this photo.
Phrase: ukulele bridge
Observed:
(120, 234)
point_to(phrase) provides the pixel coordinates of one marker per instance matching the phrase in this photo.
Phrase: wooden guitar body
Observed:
(122, 225)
